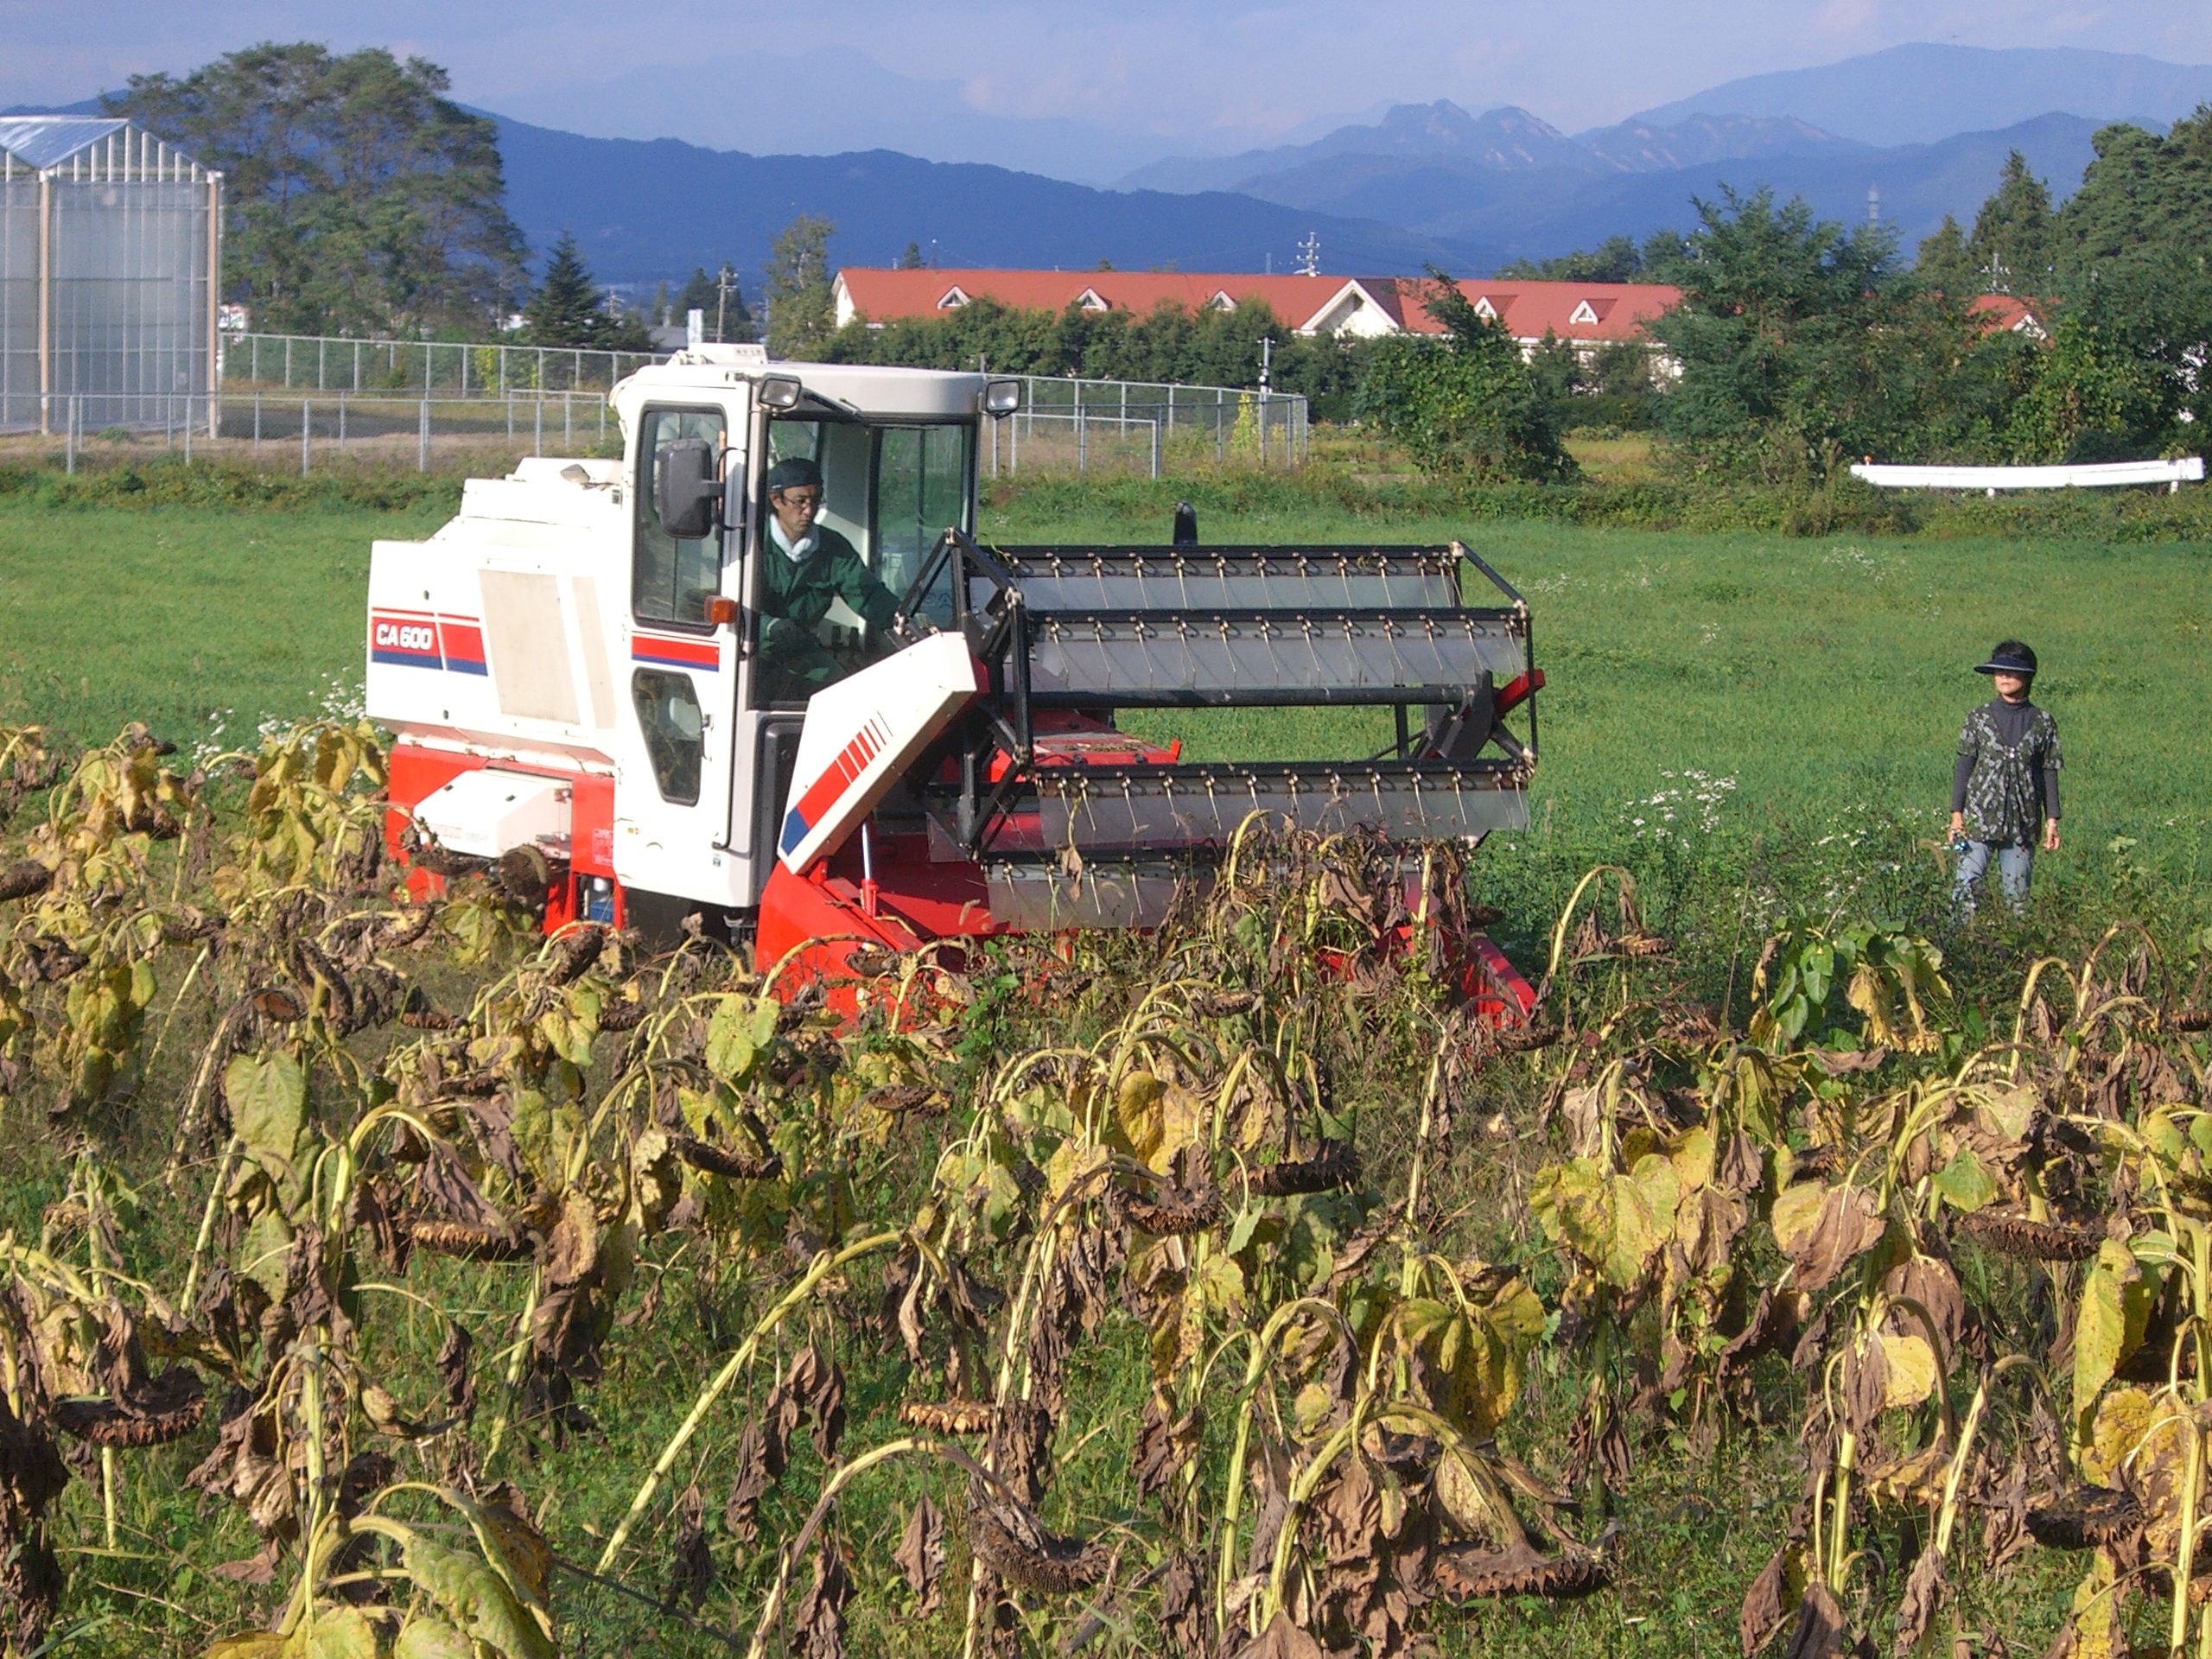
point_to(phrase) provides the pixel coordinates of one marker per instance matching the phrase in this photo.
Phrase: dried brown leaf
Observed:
(920, 1556)
(690, 1564)
(820, 1614)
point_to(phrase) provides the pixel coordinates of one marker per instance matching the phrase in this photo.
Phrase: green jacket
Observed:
(802, 589)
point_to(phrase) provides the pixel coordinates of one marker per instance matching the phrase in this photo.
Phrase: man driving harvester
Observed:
(805, 566)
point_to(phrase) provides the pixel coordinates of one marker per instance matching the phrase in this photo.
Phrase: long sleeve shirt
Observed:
(2005, 781)
(801, 588)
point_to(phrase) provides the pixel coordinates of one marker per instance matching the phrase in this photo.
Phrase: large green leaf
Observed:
(477, 1599)
(340, 1633)
(730, 1045)
(1965, 1182)
(268, 1097)
(2115, 1306)
(1156, 1118)
(430, 1638)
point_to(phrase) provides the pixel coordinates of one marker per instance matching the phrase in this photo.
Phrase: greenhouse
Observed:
(110, 240)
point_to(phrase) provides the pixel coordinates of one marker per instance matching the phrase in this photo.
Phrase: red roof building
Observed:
(1589, 313)
(2007, 313)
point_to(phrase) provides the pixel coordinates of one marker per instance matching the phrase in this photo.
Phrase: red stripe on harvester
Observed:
(839, 775)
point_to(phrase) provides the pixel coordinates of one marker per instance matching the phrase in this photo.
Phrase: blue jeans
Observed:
(2016, 864)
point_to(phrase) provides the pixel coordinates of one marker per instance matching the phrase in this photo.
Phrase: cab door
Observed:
(679, 673)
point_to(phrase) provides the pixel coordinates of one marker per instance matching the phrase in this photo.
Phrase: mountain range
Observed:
(1925, 128)
(647, 210)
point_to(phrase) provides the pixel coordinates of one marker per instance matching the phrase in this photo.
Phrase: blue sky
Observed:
(1090, 88)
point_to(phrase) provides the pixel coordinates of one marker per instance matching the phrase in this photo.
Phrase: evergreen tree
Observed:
(2012, 239)
(565, 310)
(727, 316)
(911, 259)
(1945, 265)
(802, 304)
(698, 294)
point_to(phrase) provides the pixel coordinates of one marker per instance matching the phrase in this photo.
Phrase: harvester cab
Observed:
(633, 692)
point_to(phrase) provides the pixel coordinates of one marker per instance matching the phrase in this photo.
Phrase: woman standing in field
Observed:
(2005, 788)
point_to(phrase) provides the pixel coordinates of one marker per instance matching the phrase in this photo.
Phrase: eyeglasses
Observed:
(799, 497)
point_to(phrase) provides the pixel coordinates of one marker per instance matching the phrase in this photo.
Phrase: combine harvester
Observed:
(587, 696)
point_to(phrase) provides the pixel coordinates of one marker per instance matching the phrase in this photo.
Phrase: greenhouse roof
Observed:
(48, 140)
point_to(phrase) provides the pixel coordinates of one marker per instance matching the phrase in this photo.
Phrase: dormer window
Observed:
(1221, 301)
(1584, 313)
(1483, 309)
(952, 299)
(1089, 301)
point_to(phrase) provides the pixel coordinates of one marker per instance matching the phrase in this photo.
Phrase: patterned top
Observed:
(2009, 785)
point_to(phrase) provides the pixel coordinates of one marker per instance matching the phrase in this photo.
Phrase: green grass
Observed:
(189, 619)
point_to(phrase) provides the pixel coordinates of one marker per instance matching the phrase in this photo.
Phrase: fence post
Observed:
(69, 438)
(569, 420)
(422, 437)
(537, 436)
(187, 428)
(256, 426)
(1155, 448)
(287, 362)
(342, 422)
(1080, 436)
(1013, 446)
(510, 420)
(306, 427)
(1220, 439)
(322, 361)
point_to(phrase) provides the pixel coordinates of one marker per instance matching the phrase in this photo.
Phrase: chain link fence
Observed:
(286, 399)
(280, 430)
(316, 363)
(1131, 425)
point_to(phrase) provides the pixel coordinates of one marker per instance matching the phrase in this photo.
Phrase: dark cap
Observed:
(794, 473)
(2010, 657)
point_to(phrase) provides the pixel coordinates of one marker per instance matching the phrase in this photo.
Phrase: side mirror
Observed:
(686, 492)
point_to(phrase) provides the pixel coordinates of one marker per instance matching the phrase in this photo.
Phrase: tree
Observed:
(2013, 241)
(1466, 405)
(1945, 266)
(802, 305)
(1614, 260)
(361, 198)
(565, 309)
(909, 260)
(1792, 332)
(723, 299)
(2094, 398)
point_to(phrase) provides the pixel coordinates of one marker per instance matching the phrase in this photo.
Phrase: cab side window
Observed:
(672, 580)
(675, 731)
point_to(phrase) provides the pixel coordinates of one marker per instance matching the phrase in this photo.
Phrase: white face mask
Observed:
(794, 550)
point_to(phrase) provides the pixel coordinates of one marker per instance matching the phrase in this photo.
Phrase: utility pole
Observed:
(1266, 360)
(723, 283)
(1309, 263)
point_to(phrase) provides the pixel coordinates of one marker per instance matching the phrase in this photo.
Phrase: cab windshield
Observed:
(828, 586)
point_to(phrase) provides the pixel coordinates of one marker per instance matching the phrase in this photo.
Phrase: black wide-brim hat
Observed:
(2021, 661)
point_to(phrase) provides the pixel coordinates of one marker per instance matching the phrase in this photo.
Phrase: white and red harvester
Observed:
(585, 694)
